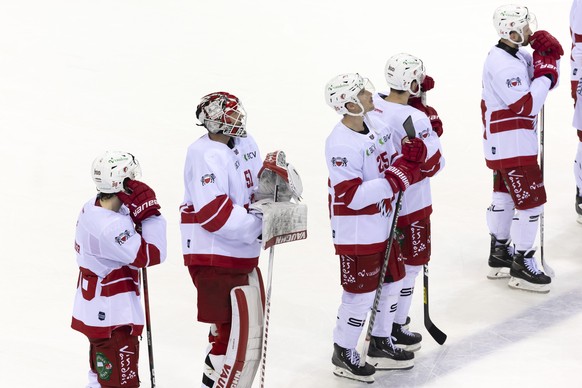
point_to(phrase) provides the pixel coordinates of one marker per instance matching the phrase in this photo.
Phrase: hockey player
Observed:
(576, 74)
(221, 240)
(365, 174)
(406, 77)
(515, 87)
(118, 232)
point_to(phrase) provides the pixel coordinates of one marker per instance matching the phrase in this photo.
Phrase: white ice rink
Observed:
(78, 77)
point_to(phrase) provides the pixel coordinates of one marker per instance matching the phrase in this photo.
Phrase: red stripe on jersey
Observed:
(512, 125)
(577, 38)
(360, 249)
(512, 162)
(523, 106)
(345, 191)
(432, 165)
(483, 110)
(147, 255)
(120, 281)
(407, 219)
(212, 216)
(102, 331)
(343, 210)
(212, 260)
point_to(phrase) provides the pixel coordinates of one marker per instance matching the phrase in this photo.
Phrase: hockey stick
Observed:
(434, 331)
(380, 283)
(148, 323)
(547, 269)
(268, 305)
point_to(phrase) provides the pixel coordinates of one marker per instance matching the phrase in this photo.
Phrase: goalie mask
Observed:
(402, 70)
(222, 112)
(345, 88)
(511, 17)
(112, 168)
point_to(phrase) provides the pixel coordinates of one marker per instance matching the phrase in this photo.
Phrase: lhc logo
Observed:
(339, 161)
(207, 178)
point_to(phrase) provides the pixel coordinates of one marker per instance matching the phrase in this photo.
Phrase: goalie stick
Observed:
(434, 331)
(547, 269)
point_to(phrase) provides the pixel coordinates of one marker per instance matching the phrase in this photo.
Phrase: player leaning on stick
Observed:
(365, 175)
(576, 74)
(515, 87)
(221, 238)
(405, 75)
(118, 231)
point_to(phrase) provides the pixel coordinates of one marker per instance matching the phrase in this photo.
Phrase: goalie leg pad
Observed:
(244, 348)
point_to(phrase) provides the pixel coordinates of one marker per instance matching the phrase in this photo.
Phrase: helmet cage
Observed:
(110, 170)
(345, 88)
(222, 112)
(402, 70)
(513, 18)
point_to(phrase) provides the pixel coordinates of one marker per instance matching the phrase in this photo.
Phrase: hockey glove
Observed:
(140, 199)
(545, 66)
(430, 112)
(413, 150)
(427, 84)
(543, 42)
(276, 172)
(402, 174)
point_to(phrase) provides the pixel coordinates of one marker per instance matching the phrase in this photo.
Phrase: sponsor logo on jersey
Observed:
(236, 164)
(370, 150)
(104, 366)
(207, 179)
(384, 139)
(512, 82)
(101, 316)
(123, 237)
(250, 155)
(339, 161)
(127, 370)
(493, 150)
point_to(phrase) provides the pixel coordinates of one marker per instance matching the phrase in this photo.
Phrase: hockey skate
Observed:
(405, 339)
(525, 274)
(500, 259)
(579, 205)
(382, 354)
(347, 364)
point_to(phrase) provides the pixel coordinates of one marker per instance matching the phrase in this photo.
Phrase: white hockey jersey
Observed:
(216, 228)
(390, 116)
(576, 32)
(360, 198)
(109, 253)
(510, 103)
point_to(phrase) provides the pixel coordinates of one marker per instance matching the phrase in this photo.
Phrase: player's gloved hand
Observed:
(413, 150)
(435, 121)
(543, 42)
(402, 173)
(545, 65)
(427, 84)
(140, 199)
(574, 86)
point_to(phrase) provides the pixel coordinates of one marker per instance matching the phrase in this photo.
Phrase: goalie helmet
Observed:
(345, 88)
(402, 70)
(112, 168)
(222, 112)
(511, 17)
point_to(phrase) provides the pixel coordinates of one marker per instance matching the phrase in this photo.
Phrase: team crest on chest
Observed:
(207, 179)
(339, 161)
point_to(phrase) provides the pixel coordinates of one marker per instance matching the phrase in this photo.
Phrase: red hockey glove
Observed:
(574, 85)
(543, 42)
(545, 66)
(430, 112)
(140, 200)
(427, 84)
(402, 174)
(413, 150)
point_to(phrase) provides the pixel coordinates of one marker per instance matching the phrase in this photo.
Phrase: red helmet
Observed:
(222, 112)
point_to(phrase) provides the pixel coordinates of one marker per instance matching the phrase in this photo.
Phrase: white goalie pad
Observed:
(243, 355)
(282, 221)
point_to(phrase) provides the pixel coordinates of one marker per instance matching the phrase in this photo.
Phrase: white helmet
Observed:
(222, 112)
(345, 88)
(112, 168)
(401, 70)
(511, 17)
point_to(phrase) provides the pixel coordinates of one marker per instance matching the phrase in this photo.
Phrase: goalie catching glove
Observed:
(276, 172)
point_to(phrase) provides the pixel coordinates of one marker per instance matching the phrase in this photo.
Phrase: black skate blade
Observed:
(341, 372)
